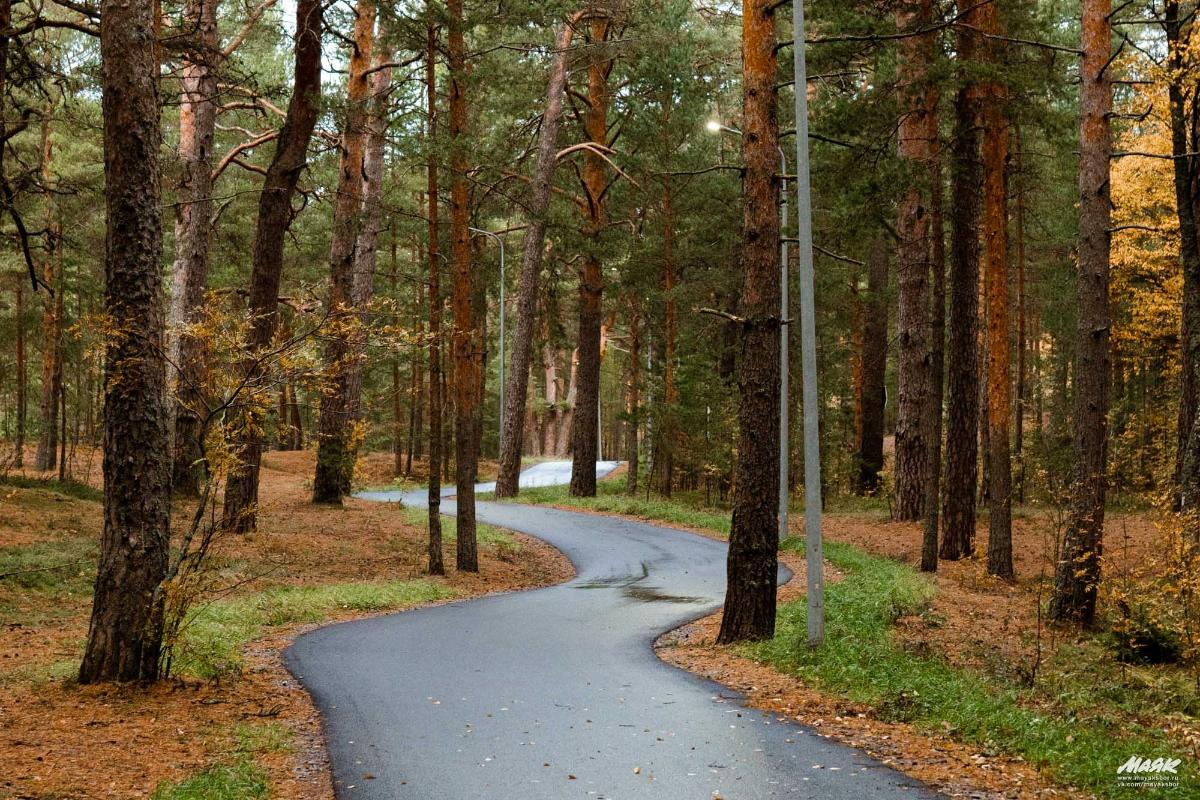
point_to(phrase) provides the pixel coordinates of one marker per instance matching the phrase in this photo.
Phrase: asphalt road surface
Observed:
(556, 693)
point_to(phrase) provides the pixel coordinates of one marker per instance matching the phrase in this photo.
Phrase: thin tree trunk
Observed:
(336, 447)
(753, 539)
(869, 445)
(274, 219)
(533, 248)
(22, 376)
(585, 416)
(937, 358)
(436, 385)
(962, 412)
(466, 340)
(47, 449)
(186, 357)
(1022, 324)
(668, 430)
(1185, 130)
(912, 266)
(995, 264)
(125, 632)
(633, 405)
(1078, 574)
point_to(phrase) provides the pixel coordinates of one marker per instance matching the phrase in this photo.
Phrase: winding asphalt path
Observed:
(556, 693)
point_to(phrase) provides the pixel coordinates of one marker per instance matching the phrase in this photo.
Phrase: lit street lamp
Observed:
(499, 241)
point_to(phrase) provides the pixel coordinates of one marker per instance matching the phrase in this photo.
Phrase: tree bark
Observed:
(337, 449)
(633, 403)
(466, 341)
(1078, 574)
(1185, 134)
(274, 219)
(22, 377)
(585, 415)
(937, 357)
(436, 384)
(874, 372)
(752, 564)
(186, 359)
(1022, 324)
(47, 449)
(912, 228)
(533, 248)
(995, 264)
(125, 632)
(962, 411)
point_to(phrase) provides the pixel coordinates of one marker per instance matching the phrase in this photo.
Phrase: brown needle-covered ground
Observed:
(60, 740)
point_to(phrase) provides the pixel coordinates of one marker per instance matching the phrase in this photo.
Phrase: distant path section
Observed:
(556, 693)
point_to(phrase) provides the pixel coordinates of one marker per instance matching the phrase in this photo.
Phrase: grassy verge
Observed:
(688, 511)
(861, 661)
(212, 638)
(80, 491)
(239, 779)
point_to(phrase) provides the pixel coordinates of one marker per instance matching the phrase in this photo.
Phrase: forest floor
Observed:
(957, 680)
(231, 722)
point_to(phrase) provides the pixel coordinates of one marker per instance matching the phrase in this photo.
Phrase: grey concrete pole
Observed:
(808, 344)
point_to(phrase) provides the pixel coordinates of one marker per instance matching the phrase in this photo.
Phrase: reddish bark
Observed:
(274, 219)
(753, 539)
(1078, 575)
(125, 632)
(533, 248)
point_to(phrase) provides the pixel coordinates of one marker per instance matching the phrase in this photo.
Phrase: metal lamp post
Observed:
(715, 126)
(500, 241)
(808, 343)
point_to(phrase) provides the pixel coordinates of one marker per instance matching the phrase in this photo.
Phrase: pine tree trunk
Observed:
(633, 403)
(753, 539)
(962, 410)
(274, 219)
(1078, 574)
(466, 341)
(912, 267)
(874, 372)
(533, 249)
(436, 384)
(336, 449)
(47, 449)
(995, 264)
(186, 358)
(585, 415)
(669, 429)
(1185, 129)
(937, 358)
(1022, 325)
(125, 632)
(22, 376)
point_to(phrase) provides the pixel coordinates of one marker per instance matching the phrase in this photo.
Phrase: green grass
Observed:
(80, 491)
(685, 509)
(212, 637)
(503, 541)
(33, 577)
(1079, 743)
(240, 780)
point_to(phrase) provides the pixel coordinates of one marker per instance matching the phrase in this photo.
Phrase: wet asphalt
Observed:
(556, 693)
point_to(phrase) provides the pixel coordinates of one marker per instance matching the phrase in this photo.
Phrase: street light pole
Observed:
(500, 241)
(808, 343)
(784, 362)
